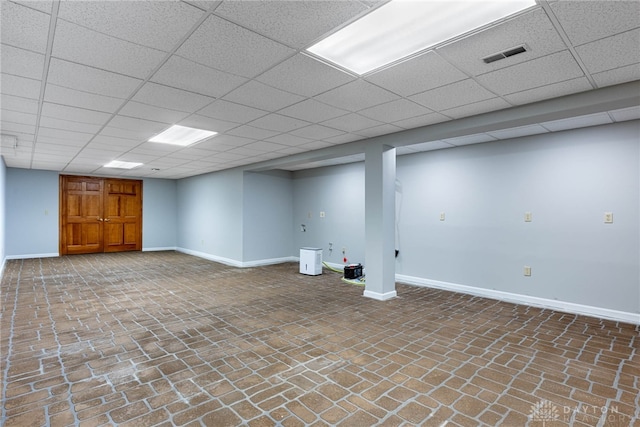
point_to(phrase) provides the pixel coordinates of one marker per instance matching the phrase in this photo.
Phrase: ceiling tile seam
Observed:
(168, 55)
(474, 78)
(45, 74)
(565, 38)
(22, 48)
(93, 30)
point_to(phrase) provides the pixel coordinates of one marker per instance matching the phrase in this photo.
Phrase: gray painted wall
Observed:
(339, 193)
(210, 215)
(267, 216)
(159, 214)
(3, 186)
(567, 180)
(32, 213)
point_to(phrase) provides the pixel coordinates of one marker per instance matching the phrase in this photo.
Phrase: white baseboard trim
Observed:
(160, 249)
(564, 306)
(235, 263)
(28, 256)
(380, 297)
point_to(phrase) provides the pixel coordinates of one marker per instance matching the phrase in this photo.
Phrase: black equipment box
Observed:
(352, 271)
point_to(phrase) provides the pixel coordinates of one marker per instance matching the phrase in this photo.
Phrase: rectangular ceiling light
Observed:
(182, 135)
(117, 164)
(403, 27)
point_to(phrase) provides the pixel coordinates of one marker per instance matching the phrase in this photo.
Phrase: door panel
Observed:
(123, 215)
(100, 215)
(81, 209)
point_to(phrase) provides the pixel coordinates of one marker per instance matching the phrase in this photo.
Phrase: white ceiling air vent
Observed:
(502, 55)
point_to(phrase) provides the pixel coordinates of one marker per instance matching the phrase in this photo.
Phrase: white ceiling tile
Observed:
(578, 122)
(157, 24)
(141, 125)
(16, 103)
(19, 86)
(75, 98)
(155, 149)
(44, 165)
(395, 111)
(202, 122)
(169, 97)
(231, 111)
(425, 120)
(288, 139)
(518, 132)
(184, 74)
(138, 135)
(417, 74)
(41, 5)
(226, 142)
(617, 76)
(89, 79)
(257, 95)
(547, 70)
(47, 148)
(9, 116)
(17, 128)
(24, 27)
(485, 106)
(305, 76)
(470, 139)
(278, 123)
(549, 91)
(61, 141)
(81, 45)
(384, 129)
(316, 132)
(351, 122)
(612, 52)
(228, 47)
(252, 132)
(114, 143)
(586, 21)
(65, 112)
(533, 29)
(356, 96)
(312, 111)
(453, 95)
(343, 139)
(294, 23)
(264, 146)
(631, 113)
(49, 122)
(150, 112)
(64, 134)
(292, 150)
(22, 62)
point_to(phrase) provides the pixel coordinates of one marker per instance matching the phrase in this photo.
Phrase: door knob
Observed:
(100, 219)
(107, 220)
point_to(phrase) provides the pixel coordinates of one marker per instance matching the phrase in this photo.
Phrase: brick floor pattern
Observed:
(163, 338)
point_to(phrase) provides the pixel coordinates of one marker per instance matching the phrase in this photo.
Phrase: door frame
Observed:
(62, 239)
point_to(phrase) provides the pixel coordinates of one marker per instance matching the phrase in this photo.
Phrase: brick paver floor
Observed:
(144, 339)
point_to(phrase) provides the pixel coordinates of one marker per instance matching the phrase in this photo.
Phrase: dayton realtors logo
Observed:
(546, 413)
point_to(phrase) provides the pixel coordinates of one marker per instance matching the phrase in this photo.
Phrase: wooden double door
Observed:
(100, 215)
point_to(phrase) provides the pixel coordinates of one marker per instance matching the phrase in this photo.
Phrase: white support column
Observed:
(380, 211)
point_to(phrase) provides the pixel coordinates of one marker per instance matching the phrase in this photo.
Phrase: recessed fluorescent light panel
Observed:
(182, 135)
(117, 164)
(403, 27)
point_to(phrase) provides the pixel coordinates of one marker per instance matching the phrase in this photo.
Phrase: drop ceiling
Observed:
(87, 82)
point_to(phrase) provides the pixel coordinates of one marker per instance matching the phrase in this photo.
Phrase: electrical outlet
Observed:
(321, 214)
(527, 217)
(441, 216)
(608, 217)
(527, 270)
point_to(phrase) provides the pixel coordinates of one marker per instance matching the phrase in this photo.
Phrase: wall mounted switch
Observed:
(527, 270)
(608, 217)
(527, 217)
(441, 216)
